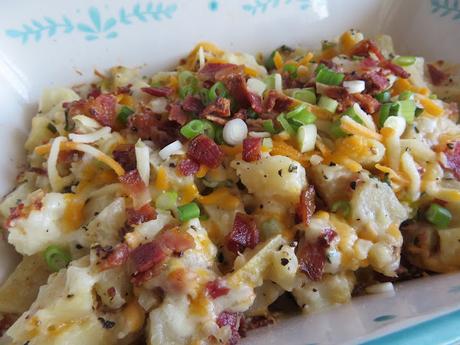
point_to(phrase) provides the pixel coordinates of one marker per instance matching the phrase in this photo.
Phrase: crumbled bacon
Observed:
(336, 92)
(368, 103)
(236, 85)
(244, 233)
(147, 257)
(257, 322)
(216, 288)
(159, 91)
(395, 69)
(452, 153)
(252, 149)
(221, 108)
(436, 75)
(214, 71)
(256, 125)
(306, 206)
(15, 213)
(256, 102)
(148, 125)
(232, 320)
(192, 104)
(205, 151)
(140, 215)
(126, 156)
(312, 256)
(216, 119)
(94, 92)
(187, 167)
(368, 63)
(177, 114)
(364, 47)
(277, 102)
(102, 109)
(126, 89)
(132, 182)
(375, 81)
(114, 257)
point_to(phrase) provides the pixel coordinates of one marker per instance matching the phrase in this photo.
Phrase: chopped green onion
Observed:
(405, 95)
(166, 201)
(270, 228)
(285, 124)
(418, 112)
(193, 128)
(219, 134)
(303, 118)
(251, 114)
(69, 123)
(270, 82)
(383, 97)
(204, 217)
(269, 126)
(341, 206)
(328, 103)
(204, 96)
(336, 130)
(320, 67)
(269, 63)
(387, 110)
(407, 110)
(296, 111)
(188, 211)
(305, 95)
(124, 114)
(291, 69)
(217, 90)
(352, 113)
(187, 90)
(438, 215)
(51, 128)
(329, 77)
(433, 96)
(186, 78)
(404, 60)
(57, 257)
(209, 129)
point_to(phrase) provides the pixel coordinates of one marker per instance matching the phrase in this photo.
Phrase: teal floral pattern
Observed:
(96, 26)
(262, 6)
(382, 318)
(446, 8)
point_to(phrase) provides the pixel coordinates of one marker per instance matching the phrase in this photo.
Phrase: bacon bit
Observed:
(95, 92)
(148, 125)
(453, 159)
(256, 102)
(368, 103)
(364, 47)
(187, 167)
(210, 70)
(236, 85)
(257, 322)
(221, 107)
(277, 102)
(375, 81)
(132, 182)
(395, 69)
(126, 89)
(147, 257)
(192, 104)
(216, 119)
(160, 91)
(102, 109)
(205, 151)
(5, 323)
(306, 206)
(177, 114)
(368, 63)
(244, 234)
(232, 320)
(115, 257)
(38, 171)
(141, 215)
(15, 213)
(216, 288)
(252, 149)
(241, 114)
(312, 256)
(125, 155)
(336, 92)
(256, 125)
(436, 75)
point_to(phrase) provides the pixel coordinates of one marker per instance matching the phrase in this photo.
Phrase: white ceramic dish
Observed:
(50, 42)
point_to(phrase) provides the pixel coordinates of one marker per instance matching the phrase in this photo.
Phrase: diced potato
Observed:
(329, 291)
(52, 99)
(375, 207)
(39, 133)
(332, 182)
(266, 294)
(19, 193)
(272, 177)
(116, 279)
(384, 258)
(104, 228)
(31, 273)
(284, 267)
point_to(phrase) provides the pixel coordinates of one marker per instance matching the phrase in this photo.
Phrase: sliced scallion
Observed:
(439, 216)
(188, 211)
(217, 90)
(329, 77)
(407, 110)
(305, 95)
(57, 257)
(166, 201)
(341, 206)
(328, 103)
(285, 124)
(193, 129)
(383, 97)
(404, 60)
(51, 128)
(291, 69)
(124, 113)
(336, 130)
(269, 126)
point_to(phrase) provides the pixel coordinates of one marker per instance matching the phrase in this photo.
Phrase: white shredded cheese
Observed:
(409, 166)
(56, 181)
(316, 159)
(278, 82)
(85, 124)
(90, 137)
(201, 57)
(143, 161)
(366, 118)
(260, 134)
(397, 123)
(172, 149)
